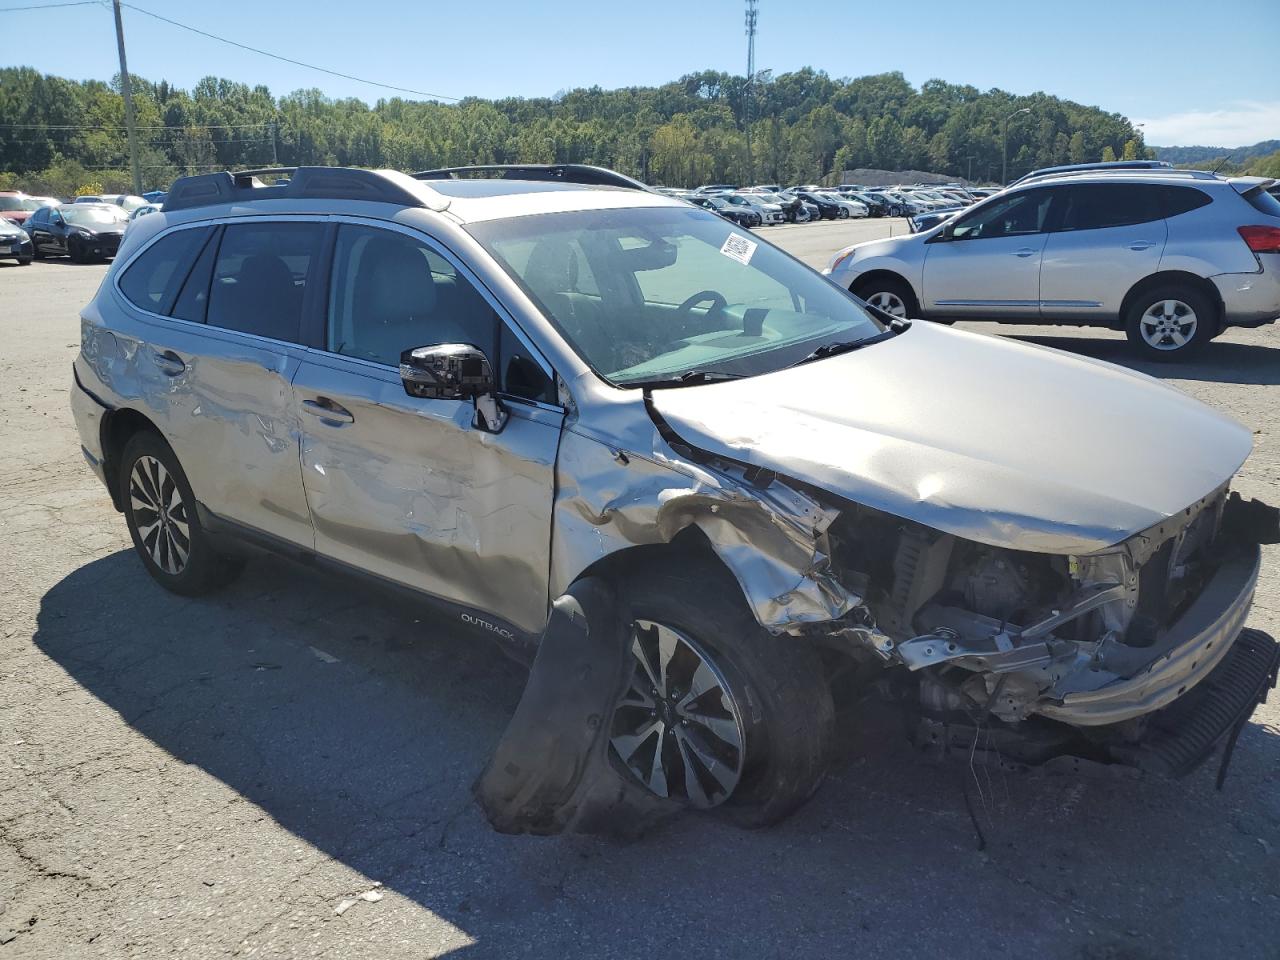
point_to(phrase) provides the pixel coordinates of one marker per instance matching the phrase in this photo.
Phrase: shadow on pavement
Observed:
(370, 758)
(1220, 362)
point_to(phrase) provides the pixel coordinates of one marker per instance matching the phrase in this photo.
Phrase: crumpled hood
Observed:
(987, 438)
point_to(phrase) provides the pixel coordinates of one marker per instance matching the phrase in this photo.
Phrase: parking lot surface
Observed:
(284, 769)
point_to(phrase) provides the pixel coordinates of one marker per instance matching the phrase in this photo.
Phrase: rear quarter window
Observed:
(1179, 200)
(153, 280)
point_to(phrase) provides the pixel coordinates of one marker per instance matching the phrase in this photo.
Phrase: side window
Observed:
(1021, 213)
(1178, 200)
(261, 275)
(1096, 206)
(391, 293)
(193, 300)
(152, 281)
(39, 217)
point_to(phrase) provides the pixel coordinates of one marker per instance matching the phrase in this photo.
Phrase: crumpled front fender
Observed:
(771, 537)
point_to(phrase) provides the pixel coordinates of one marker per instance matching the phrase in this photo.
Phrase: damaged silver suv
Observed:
(697, 485)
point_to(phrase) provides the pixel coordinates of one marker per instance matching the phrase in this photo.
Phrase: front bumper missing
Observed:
(1191, 650)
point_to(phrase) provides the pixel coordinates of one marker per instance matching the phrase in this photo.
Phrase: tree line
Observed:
(60, 136)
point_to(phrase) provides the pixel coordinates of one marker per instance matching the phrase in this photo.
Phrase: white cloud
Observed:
(1242, 123)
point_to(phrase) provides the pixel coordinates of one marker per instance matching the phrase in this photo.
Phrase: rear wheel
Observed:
(1171, 322)
(719, 713)
(159, 509)
(890, 294)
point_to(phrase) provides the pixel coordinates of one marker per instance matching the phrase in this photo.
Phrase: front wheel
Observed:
(889, 294)
(159, 509)
(1171, 323)
(843, 214)
(719, 713)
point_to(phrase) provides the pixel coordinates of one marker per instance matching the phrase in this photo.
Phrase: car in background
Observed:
(793, 208)
(17, 206)
(1172, 257)
(827, 209)
(81, 231)
(770, 213)
(88, 198)
(849, 207)
(742, 216)
(126, 201)
(15, 243)
(927, 221)
(155, 196)
(716, 188)
(876, 206)
(143, 210)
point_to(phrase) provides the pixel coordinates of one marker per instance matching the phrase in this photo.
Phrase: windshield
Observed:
(15, 203)
(85, 215)
(658, 293)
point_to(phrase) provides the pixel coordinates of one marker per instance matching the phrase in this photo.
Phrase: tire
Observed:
(74, 252)
(843, 214)
(891, 294)
(1171, 322)
(24, 261)
(773, 693)
(147, 467)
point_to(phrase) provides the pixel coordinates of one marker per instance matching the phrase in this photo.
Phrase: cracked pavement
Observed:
(216, 777)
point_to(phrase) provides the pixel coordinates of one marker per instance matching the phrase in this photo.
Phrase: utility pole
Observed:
(275, 161)
(753, 12)
(127, 89)
(1004, 145)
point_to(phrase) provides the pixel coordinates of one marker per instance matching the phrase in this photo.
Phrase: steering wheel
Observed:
(717, 301)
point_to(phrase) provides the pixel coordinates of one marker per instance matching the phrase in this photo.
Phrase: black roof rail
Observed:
(558, 172)
(305, 183)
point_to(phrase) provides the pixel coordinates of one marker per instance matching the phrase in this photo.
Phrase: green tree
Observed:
(1108, 154)
(1077, 152)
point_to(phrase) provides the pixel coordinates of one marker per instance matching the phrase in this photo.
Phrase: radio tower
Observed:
(753, 12)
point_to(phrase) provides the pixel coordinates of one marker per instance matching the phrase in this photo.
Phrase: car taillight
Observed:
(1261, 239)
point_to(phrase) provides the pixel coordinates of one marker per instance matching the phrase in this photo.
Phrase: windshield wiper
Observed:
(848, 346)
(688, 378)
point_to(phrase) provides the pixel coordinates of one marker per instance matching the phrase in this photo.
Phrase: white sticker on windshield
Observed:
(739, 248)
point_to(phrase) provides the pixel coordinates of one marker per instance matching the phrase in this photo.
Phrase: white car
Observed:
(849, 206)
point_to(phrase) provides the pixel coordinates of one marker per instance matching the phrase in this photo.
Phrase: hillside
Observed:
(59, 135)
(1180, 156)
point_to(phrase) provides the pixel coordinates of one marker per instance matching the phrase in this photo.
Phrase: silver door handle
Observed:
(326, 409)
(1142, 245)
(1024, 252)
(170, 363)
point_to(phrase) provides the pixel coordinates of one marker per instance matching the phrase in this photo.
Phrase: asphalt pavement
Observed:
(284, 769)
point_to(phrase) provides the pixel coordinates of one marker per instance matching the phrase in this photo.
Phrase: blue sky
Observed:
(1191, 71)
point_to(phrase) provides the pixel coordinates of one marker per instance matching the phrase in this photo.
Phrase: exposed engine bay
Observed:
(1023, 642)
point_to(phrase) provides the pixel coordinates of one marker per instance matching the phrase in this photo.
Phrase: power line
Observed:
(296, 63)
(51, 6)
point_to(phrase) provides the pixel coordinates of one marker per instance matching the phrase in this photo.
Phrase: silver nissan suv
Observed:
(704, 492)
(1172, 257)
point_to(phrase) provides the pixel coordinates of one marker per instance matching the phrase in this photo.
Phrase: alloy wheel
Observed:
(678, 728)
(890, 303)
(1168, 325)
(160, 514)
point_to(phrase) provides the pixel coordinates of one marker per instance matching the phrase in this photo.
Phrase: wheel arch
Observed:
(1171, 278)
(689, 545)
(118, 428)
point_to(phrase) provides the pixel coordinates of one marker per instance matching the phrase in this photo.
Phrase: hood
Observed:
(990, 439)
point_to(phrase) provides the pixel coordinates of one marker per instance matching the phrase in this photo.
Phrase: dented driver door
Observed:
(409, 489)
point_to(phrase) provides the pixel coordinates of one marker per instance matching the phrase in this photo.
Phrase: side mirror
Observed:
(945, 235)
(454, 371)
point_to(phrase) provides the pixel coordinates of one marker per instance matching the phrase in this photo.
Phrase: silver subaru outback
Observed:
(702, 490)
(1172, 257)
